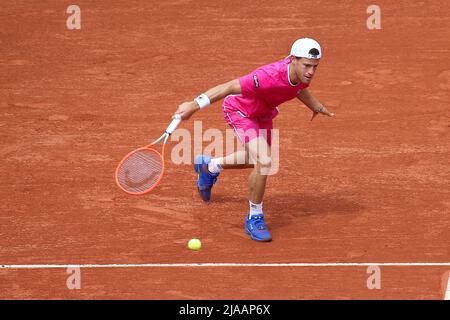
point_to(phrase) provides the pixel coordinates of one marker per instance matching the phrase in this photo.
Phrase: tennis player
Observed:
(251, 102)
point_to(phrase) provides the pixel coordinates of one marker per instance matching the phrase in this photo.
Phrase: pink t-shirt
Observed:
(265, 89)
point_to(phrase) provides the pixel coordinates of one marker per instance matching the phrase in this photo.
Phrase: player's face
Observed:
(305, 69)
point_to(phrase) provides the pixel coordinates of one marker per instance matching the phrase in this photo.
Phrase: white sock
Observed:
(255, 208)
(214, 165)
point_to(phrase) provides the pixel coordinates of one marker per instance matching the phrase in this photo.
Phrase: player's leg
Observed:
(259, 151)
(208, 169)
(235, 160)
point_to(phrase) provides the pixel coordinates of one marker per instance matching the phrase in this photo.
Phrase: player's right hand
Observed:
(186, 110)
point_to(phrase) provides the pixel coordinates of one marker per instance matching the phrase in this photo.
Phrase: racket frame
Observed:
(173, 125)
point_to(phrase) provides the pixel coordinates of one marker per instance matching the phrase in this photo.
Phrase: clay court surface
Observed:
(369, 186)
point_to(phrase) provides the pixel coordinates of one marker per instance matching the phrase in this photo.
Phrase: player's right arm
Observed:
(187, 109)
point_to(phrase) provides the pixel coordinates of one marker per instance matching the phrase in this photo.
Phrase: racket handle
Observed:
(173, 125)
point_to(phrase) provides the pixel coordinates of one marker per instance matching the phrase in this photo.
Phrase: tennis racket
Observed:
(141, 170)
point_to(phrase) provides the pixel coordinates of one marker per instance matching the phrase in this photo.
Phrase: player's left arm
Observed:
(313, 104)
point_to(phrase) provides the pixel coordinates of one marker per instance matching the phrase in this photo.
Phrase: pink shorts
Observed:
(247, 129)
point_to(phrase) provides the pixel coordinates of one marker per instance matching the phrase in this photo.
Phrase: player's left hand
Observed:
(322, 110)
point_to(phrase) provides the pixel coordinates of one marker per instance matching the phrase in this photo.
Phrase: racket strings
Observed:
(140, 171)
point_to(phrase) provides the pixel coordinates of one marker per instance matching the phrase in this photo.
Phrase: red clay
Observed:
(370, 185)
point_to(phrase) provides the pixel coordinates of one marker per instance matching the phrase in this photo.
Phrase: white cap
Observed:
(306, 48)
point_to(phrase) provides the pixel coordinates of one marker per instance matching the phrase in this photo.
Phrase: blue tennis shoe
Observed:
(205, 179)
(257, 229)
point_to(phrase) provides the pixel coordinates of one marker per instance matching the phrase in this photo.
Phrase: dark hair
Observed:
(314, 52)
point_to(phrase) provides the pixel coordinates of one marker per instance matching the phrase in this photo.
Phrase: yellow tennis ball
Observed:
(194, 244)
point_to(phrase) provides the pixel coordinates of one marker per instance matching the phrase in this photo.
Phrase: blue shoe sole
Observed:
(257, 239)
(206, 196)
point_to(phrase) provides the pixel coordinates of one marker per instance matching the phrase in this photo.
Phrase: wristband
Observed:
(203, 101)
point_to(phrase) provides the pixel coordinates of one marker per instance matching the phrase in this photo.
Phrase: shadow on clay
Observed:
(284, 209)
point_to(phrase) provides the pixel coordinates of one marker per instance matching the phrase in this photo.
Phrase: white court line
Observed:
(224, 265)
